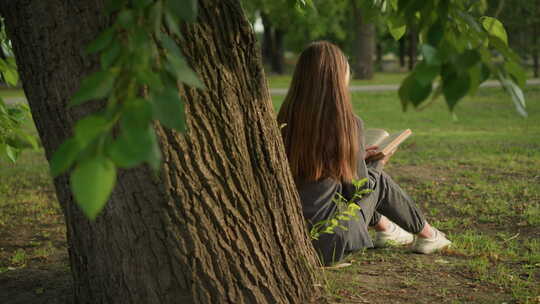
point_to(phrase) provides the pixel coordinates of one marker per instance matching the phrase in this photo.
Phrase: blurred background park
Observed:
(373, 52)
(475, 171)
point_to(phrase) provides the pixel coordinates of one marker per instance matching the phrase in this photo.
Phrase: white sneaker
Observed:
(395, 235)
(427, 246)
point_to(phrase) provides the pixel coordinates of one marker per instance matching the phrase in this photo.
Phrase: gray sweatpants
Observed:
(391, 201)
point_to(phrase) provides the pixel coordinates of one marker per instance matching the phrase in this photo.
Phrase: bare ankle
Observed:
(427, 232)
(383, 225)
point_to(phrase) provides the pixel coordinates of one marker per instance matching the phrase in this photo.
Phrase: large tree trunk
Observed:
(221, 223)
(365, 45)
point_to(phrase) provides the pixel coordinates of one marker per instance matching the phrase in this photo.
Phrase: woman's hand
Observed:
(385, 159)
(371, 151)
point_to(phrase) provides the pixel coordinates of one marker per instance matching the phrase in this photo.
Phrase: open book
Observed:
(385, 141)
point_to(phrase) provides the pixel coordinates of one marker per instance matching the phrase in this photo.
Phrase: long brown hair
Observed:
(320, 132)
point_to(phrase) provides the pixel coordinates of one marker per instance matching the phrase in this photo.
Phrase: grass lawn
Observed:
(477, 179)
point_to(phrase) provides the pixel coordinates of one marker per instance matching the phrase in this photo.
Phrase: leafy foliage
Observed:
(460, 46)
(460, 49)
(13, 137)
(138, 53)
(346, 210)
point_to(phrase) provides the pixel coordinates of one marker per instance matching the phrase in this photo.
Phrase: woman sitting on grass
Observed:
(325, 147)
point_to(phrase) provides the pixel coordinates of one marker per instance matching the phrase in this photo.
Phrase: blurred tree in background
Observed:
(522, 21)
(354, 26)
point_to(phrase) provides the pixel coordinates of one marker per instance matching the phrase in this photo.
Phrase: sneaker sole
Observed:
(433, 250)
(390, 243)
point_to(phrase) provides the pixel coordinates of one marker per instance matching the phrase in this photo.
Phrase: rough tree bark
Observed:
(365, 45)
(221, 222)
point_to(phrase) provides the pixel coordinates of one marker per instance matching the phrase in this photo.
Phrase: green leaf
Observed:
(516, 93)
(455, 87)
(137, 141)
(494, 27)
(155, 156)
(403, 91)
(110, 55)
(137, 113)
(426, 73)
(168, 108)
(11, 76)
(172, 23)
(170, 45)
(186, 9)
(419, 92)
(184, 73)
(12, 153)
(140, 4)
(430, 55)
(468, 59)
(435, 33)
(156, 17)
(503, 48)
(149, 78)
(95, 86)
(132, 147)
(141, 39)
(396, 27)
(471, 21)
(126, 19)
(517, 72)
(412, 91)
(89, 128)
(92, 182)
(102, 41)
(64, 157)
(178, 66)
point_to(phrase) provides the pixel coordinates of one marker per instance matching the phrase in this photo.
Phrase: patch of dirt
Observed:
(415, 173)
(43, 285)
(385, 277)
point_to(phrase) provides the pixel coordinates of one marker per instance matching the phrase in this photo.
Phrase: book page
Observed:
(375, 137)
